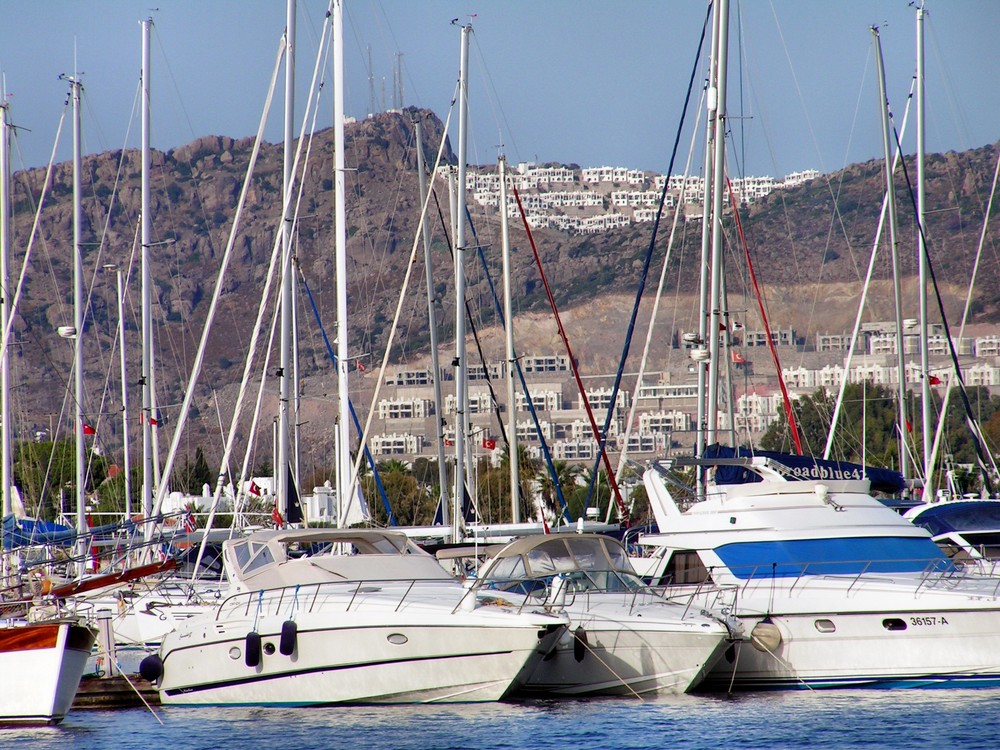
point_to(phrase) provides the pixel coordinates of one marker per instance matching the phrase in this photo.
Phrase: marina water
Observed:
(828, 719)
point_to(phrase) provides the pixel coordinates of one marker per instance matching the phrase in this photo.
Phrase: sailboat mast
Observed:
(711, 103)
(345, 482)
(123, 359)
(508, 313)
(283, 466)
(718, 194)
(432, 326)
(78, 302)
(904, 424)
(925, 390)
(5, 307)
(461, 370)
(148, 452)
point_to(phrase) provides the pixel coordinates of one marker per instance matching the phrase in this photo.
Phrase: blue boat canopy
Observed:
(960, 516)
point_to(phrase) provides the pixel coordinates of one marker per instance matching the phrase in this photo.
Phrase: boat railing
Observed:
(553, 593)
(310, 597)
(934, 574)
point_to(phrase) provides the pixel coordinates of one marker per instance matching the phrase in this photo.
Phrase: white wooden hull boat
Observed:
(41, 664)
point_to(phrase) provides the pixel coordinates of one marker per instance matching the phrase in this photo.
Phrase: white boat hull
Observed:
(627, 659)
(41, 664)
(881, 634)
(364, 661)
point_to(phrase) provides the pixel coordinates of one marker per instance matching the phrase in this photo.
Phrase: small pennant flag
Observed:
(88, 429)
(934, 380)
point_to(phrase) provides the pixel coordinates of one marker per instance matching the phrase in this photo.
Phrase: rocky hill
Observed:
(810, 247)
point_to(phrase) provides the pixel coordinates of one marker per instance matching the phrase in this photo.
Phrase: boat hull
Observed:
(363, 661)
(42, 664)
(937, 648)
(628, 659)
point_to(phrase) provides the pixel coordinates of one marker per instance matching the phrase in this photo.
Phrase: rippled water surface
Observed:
(834, 719)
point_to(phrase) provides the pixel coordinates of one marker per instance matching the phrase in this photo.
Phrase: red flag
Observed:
(489, 444)
(154, 421)
(254, 489)
(88, 429)
(909, 426)
(276, 516)
(934, 380)
(361, 367)
(738, 358)
(449, 442)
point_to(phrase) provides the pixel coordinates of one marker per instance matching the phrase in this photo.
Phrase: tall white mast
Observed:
(432, 325)
(5, 307)
(123, 359)
(286, 369)
(925, 390)
(508, 314)
(718, 194)
(148, 449)
(711, 103)
(461, 368)
(903, 425)
(78, 303)
(345, 482)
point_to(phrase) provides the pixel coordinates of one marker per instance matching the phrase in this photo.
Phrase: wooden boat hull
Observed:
(42, 664)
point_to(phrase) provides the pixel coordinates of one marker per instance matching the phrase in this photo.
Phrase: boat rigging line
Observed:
(622, 509)
(793, 426)
(602, 439)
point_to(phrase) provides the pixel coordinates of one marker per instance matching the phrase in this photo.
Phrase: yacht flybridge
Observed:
(833, 588)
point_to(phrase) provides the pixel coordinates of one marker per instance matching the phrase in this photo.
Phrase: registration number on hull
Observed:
(928, 620)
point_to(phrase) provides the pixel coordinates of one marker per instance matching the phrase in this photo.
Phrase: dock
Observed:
(115, 692)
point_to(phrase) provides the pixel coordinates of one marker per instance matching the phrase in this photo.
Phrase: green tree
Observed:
(193, 476)
(46, 471)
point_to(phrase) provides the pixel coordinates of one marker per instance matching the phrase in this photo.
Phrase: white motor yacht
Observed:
(834, 588)
(624, 638)
(334, 616)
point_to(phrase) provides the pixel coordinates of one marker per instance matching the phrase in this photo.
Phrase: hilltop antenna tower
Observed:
(371, 83)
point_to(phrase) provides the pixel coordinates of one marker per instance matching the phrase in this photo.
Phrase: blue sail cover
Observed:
(28, 531)
(19, 533)
(803, 467)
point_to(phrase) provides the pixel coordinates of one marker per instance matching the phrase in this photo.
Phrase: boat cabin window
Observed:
(252, 555)
(508, 568)
(549, 559)
(684, 566)
(986, 543)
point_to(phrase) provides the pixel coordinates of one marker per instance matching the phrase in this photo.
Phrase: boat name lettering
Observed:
(929, 620)
(825, 472)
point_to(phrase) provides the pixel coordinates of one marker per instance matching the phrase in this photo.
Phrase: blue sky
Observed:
(553, 80)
